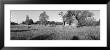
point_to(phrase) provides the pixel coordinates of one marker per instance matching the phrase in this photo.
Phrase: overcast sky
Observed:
(20, 15)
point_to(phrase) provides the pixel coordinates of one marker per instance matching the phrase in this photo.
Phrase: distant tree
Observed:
(52, 23)
(23, 22)
(31, 21)
(91, 22)
(98, 23)
(43, 18)
(37, 22)
(48, 22)
(13, 23)
(28, 21)
(58, 23)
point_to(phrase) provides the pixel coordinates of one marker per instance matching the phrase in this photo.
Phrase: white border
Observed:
(56, 43)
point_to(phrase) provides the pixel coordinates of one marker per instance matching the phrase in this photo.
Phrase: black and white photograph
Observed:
(31, 25)
(55, 24)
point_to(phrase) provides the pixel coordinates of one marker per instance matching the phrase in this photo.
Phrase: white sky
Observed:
(20, 15)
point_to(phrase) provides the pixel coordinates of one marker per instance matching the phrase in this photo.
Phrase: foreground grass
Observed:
(38, 32)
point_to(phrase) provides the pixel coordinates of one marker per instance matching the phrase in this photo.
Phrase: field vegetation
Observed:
(40, 32)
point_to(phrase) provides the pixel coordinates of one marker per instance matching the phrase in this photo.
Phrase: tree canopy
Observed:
(79, 15)
(43, 17)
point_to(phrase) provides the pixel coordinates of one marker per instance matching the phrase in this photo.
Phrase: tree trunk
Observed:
(70, 23)
(77, 19)
(63, 22)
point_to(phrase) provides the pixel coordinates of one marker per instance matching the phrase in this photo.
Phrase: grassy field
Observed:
(39, 32)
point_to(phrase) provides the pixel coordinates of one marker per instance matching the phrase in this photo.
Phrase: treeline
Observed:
(49, 23)
(14, 23)
(86, 23)
(38, 22)
(83, 18)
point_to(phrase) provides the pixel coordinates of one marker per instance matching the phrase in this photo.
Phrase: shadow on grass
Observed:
(18, 38)
(94, 37)
(44, 37)
(90, 37)
(41, 37)
(19, 30)
(75, 38)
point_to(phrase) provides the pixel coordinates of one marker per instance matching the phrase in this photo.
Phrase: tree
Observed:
(13, 23)
(38, 22)
(28, 21)
(98, 23)
(31, 21)
(79, 15)
(90, 21)
(58, 23)
(62, 15)
(43, 18)
(23, 22)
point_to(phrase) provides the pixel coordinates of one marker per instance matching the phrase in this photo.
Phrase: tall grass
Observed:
(37, 32)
